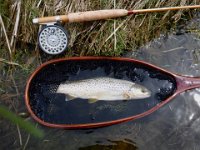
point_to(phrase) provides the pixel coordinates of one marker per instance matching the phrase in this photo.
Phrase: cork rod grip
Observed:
(83, 16)
(96, 15)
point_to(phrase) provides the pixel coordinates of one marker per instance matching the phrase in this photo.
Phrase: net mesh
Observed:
(52, 107)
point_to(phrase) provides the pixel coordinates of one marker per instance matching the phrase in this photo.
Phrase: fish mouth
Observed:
(144, 96)
(148, 94)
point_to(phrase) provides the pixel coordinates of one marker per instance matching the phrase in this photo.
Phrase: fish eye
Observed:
(143, 90)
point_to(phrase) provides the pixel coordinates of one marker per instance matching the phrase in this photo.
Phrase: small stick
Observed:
(103, 14)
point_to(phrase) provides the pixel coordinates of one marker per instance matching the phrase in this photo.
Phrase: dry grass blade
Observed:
(178, 15)
(38, 4)
(114, 28)
(15, 85)
(20, 136)
(14, 35)
(9, 62)
(25, 145)
(5, 34)
(5, 97)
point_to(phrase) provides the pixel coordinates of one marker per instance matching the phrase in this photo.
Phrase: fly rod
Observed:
(103, 14)
(53, 38)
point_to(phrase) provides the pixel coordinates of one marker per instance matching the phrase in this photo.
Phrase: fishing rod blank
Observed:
(103, 14)
(53, 38)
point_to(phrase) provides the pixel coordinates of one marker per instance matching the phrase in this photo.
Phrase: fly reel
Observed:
(53, 39)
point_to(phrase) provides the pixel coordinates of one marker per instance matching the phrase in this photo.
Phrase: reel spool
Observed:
(53, 39)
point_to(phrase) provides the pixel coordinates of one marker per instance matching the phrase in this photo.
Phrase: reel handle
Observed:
(83, 16)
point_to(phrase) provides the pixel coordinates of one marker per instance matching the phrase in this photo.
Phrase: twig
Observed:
(25, 145)
(14, 35)
(20, 136)
(4, 30)
(174, 49)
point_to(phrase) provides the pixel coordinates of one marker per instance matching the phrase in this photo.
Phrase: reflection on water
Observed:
(114, 145)
(177, 124)
(179, 54)
(196, 96)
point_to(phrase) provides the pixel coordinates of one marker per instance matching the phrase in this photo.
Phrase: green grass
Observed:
(30, 128)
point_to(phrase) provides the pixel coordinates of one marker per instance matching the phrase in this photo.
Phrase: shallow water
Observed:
(174, 126)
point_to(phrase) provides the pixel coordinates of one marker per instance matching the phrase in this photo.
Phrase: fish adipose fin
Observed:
(69, 97)
(92, 100)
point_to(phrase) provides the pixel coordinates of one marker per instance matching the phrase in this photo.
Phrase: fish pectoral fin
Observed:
(92, 100)
(69, 97)
(126, 96)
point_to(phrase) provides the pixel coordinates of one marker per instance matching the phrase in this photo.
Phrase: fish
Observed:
(103, 88)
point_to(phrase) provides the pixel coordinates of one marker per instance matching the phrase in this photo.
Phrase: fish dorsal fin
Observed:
(69, 97)
(92, 100)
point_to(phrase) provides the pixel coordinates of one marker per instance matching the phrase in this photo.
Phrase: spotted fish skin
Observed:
(104, 88)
